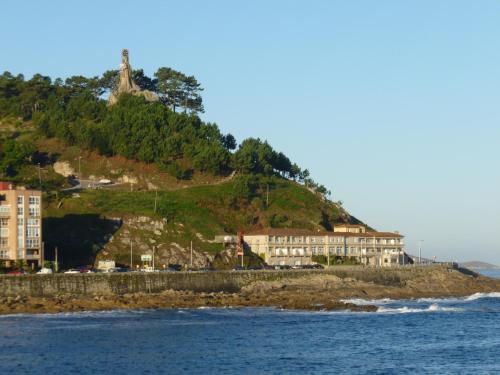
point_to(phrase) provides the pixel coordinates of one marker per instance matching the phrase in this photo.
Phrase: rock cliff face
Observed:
(127, 84)
(148, 236)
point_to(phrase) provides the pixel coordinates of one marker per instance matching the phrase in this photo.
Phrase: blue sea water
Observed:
(426, 336)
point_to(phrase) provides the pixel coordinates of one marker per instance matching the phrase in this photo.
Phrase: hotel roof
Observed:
(308, 232)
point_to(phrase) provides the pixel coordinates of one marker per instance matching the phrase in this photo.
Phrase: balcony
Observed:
(5, 211)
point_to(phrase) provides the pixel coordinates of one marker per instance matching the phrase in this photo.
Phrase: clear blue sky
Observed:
(393, 105)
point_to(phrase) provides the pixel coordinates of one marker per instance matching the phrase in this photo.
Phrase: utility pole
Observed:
(420, 251)
(191, 263)
(79, 167)
(156, 197)
(267, 195)
(39, 175)
(154, 248)
(57, 262)
(131, 259)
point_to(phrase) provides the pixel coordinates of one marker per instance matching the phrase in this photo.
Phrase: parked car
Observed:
(85, 270)
(238, 268)
(45, 271)
(206, 269)
(255, 268)
(72, 270)
(122, 269)
(17, 272)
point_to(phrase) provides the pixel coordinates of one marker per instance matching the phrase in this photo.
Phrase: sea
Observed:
(422, 336)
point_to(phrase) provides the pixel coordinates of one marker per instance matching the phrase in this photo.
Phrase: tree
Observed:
(229, 142)
(191, 90)
(35, 93)
(170, 84)
(13, 154)
(143, 81)
(109, 80)
(80, 84)
(178, 90)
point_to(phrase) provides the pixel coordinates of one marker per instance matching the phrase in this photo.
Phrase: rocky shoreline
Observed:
(311, 292)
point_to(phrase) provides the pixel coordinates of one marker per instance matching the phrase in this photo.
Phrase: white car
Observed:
(72, 270)
(45, 271)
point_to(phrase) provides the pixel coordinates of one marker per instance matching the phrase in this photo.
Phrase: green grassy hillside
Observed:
(102, 224)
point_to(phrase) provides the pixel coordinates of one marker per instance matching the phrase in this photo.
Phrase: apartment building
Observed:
(289, 246)
(20, 225)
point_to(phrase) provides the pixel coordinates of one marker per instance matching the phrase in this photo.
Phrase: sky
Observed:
(393, 105)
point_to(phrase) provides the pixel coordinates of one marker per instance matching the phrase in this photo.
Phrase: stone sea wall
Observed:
(227, 281)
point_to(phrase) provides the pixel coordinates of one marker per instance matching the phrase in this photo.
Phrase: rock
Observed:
(63, 168)
(125, 179)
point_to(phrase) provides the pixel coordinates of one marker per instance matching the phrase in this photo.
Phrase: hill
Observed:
(479, 265)
(177, 181)
(96, 224)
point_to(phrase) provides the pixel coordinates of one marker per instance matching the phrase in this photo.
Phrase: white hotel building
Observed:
(291, 247)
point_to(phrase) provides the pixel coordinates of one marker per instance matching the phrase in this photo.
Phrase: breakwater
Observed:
(220, 281)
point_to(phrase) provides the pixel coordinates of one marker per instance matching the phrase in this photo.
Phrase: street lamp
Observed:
(420, 251)
(39, 175)
(79, 167)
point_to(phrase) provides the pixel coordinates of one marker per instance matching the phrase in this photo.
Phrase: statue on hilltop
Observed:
(127, 84)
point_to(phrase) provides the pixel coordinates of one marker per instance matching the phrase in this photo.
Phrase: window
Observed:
(32, 232)
(36, 222)
(20, 221)
(34, 200)
(4, 209)
(20, 211)
(32, 242)
(3, 241)
(34, 211)
(4, 232)
(4, 222)
(4, 254)
(20, 200)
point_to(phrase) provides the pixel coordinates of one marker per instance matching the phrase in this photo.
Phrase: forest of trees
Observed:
(75, 110)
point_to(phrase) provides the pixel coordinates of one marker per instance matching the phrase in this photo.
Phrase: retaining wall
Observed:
(121, 283)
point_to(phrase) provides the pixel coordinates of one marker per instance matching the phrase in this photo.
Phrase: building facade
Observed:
(295, 247)
(20, 225)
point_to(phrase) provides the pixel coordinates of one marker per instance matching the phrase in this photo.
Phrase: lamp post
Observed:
(39, 175)
(420, 251)
(131, 259)
(80, 167)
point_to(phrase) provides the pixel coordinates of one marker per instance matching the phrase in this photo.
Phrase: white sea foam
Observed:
(386, 301)
(476, 296)
(405, 309)
(364, 302)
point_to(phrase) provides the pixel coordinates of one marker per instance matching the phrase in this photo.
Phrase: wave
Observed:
(387, 301)
(405, 309)
(364, 302)
(477, 296)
